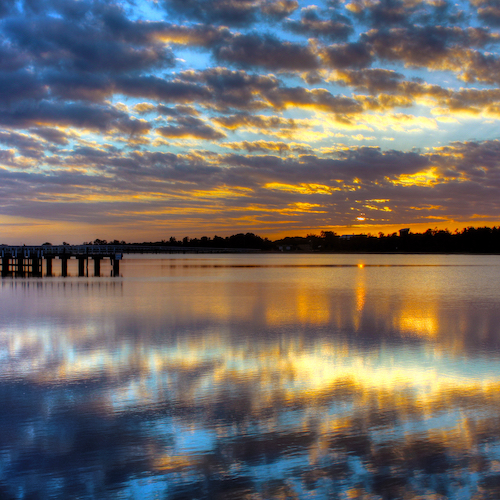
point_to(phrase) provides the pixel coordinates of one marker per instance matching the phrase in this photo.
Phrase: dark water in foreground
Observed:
(254, 377)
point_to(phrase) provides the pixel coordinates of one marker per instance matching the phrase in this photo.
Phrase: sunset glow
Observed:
(155, 118)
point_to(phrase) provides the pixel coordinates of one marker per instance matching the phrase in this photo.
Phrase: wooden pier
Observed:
(27, 261)
(24, 261)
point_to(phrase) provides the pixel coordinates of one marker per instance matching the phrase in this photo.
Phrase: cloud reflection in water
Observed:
(262, 382)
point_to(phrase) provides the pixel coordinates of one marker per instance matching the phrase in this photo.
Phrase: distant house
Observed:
(305, 247)
(404, 232)
(350, 236)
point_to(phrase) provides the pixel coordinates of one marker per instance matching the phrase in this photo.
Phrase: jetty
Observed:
(27, 261)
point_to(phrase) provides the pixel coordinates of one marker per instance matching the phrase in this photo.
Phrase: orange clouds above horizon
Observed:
(201, 117)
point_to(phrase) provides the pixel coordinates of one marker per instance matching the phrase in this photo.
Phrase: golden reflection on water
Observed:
(345, 381)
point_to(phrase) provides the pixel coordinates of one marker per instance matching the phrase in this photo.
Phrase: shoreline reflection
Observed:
(363, 383)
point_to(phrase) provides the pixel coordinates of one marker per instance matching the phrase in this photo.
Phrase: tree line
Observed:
(469, 240)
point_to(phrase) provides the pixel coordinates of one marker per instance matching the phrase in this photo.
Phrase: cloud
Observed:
(372, 80)
(233, 89)
(11, 58)
(20, 85)
(98, 98)
(194, 35)
(52, 135)
(230, 12)
(488, 11)
(393, 13)
(268, 52)
(311, 24)
(405, 180)
(190, 127)
(6, 7)
(263, 146)
(244, 120)
(439, 48)
(83, 46)
(317, 99)
(163, 110)
(162, 89)
(350, 55)
(95, 117)
(276, 9)
(26, 145)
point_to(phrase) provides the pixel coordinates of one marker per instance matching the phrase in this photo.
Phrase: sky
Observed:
(139, 120)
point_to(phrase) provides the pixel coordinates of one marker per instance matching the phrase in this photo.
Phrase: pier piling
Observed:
(36, 267)
(20, 266)
(5, 267)
(64, 265)
(48, 266)
(97, 265)
(81, 266)
(26, 261)
(116, 265)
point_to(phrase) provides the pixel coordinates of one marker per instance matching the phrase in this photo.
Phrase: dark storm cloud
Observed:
(190, 127)
(268, 52)
(230, 12)
(311, 24)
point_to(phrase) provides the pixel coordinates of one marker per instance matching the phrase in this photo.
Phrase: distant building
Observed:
(404, 232)
(351, 236)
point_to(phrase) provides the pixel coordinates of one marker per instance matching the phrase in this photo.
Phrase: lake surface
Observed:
(254, 377)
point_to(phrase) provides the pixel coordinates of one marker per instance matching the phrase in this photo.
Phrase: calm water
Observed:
(254, 377)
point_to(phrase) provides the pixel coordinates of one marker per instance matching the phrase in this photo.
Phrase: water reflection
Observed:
(269, 382)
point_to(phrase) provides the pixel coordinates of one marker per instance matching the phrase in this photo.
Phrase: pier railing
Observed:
(21, 261)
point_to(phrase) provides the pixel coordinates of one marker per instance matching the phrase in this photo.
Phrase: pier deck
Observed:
(22, 261)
